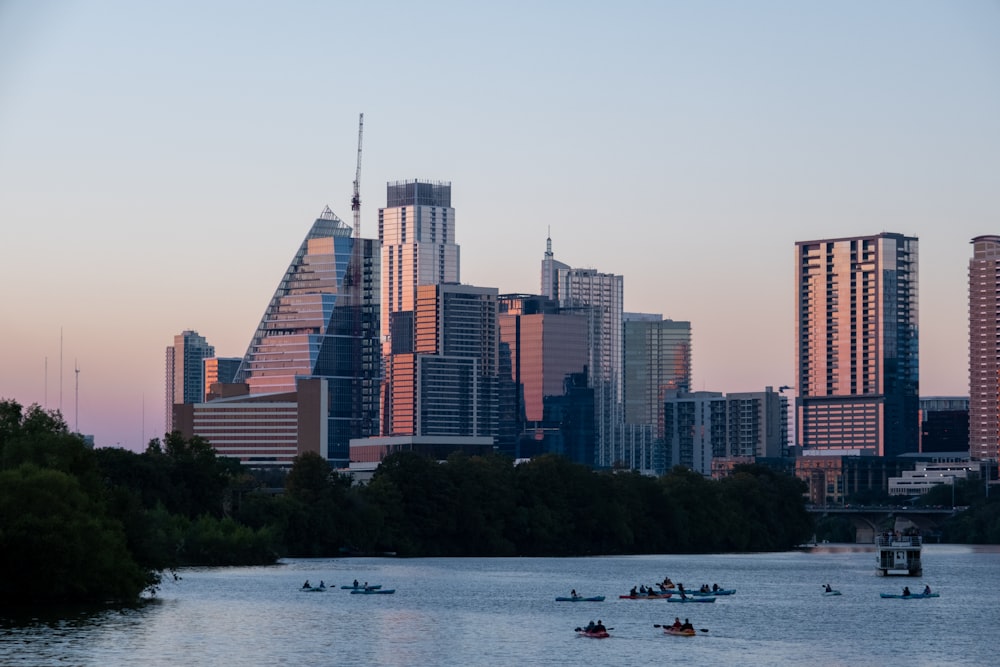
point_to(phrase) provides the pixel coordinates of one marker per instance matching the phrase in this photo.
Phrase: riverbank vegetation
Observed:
(106, 524)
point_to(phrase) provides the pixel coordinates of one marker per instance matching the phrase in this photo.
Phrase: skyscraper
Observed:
(857, 345)
(185, 374)
(322, 322)
(657, 358)
(599, 296)
(984, 349)
(417, 232)
(447, 384)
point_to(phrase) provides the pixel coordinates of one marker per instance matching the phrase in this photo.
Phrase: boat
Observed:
(898, 555)
(314, 589)
(721, 591)
(830, 593)
(646, 596)
(580, 598)
(359, 587)
(599, 634)
(911, 596)
(372, 591)
(677, 598)
(679, 632)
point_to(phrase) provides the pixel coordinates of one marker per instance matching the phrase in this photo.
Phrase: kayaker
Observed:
(715, 587)
(642, 589)
(599, 627)
(590, 626)
(306, 585)
(355, 583)
(687, 625)
(677, 623)
(828, 589)
(906, 590)
(927, 589)
(321, 584)
(573, 594)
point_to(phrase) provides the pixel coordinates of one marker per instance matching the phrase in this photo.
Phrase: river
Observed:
(502, 611)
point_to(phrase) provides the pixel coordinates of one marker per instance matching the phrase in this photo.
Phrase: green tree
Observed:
(57, 542)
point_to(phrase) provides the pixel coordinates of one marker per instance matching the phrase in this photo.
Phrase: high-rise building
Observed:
(984, 349)
(446, 385)
(857, 345)
(543, 347)
(417, 232)
(220, 370)
(657, 359)
(322, 322)
(695, 428)
(703, 427)
(185, 373)
(600, 297)
(757, 424)
(944, 424)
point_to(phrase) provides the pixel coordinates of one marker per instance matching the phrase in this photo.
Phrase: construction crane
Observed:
(356, 199)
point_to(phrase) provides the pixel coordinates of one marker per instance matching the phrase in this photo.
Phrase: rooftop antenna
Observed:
(356, 199)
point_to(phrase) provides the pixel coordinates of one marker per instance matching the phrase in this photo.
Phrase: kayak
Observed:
(314, 589)
(580, 598)
(372, 591)
(359, 587)
(911, 596)
(721, 591)
(829, 593)
(603, 634)
(646, 596)
(678, 632)
(677, 598)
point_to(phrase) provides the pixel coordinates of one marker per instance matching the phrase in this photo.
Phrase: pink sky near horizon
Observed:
(160, 165)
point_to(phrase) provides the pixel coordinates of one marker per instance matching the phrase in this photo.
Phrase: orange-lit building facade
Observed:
(446, 384)
(857, 345)
(984, 349)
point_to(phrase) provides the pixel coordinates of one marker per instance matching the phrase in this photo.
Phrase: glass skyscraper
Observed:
(185, 372)
(600, 297)
(857, 345)
(322, 322)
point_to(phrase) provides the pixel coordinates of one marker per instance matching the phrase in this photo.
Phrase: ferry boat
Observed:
(898, 555)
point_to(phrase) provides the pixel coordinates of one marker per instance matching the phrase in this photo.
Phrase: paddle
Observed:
(657, 625)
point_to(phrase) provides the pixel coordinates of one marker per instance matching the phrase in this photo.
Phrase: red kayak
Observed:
(602, 634)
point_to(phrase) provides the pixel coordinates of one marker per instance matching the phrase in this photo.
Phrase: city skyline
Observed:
(151, 184)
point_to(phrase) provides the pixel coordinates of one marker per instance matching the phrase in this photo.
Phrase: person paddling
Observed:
(906, 591)
(573, 594)
(828, 589)
(306, 585)
(677, 623)
(927, 589)
(687, 625)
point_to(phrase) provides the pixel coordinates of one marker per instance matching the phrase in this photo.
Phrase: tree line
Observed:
(106, 524)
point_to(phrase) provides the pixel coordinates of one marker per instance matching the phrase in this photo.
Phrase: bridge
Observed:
(869, 520)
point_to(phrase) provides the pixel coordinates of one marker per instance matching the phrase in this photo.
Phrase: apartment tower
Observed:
(185, 373)
(984, 348)
(857, 345)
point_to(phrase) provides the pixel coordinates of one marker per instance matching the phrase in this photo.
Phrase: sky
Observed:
(160, 163)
